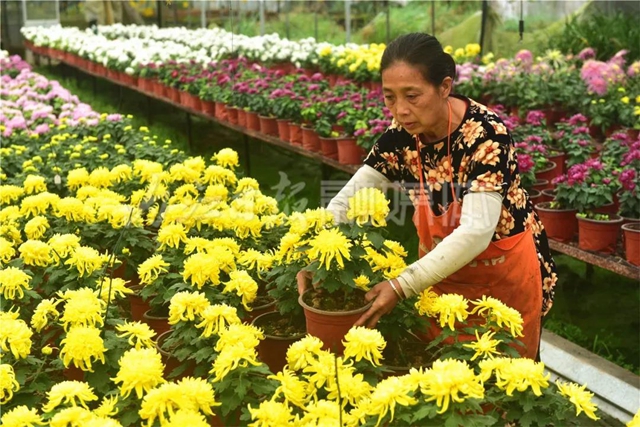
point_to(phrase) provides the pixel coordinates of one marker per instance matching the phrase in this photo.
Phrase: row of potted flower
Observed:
(202, 241)
(606, 92)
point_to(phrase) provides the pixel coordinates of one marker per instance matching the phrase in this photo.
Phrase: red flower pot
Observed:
(560, 224)
(330, 326)
(221, 112)
(295, 134)
(173, 94)
(310, 140)
(268, 125)
(549, 172)
(548, 195)
(535, 196)
(541, 184)
(283, 129)
(242, 116)
(138, 305)
(599, 236)
(208, 108)
(560, 159)
(233, 116)
(171, 362)
(253, 121)
(273, 349)
(157, 323)
(631, 236)
(350, 153)
(329, 147)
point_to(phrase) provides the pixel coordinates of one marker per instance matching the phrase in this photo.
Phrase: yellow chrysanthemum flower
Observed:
(122, 173)
(362, 282)
(8, 383)
(224, 254)
(239, 334)
(451, 307)
(321, 413)
(185, 417)
(185, 306)
(635, 422)
(447, 380)
(227, 158)
(215, 174)
(7, 251)
(215, 193)
(352, 388)
(304, 352)
(107, 407)
(369, 205)
(36, 253)
(21, 416)
(72, 209)
(216, 318)
(10, 194)
(198, 394)
(243, 285)
(328, 245)
(181, 173)
(496, 311)
(36, 227)
(82, 346)
(363, 343)
(293, 389)
(426, 303)
(101, 177)
(232, 357)
(74, 416)
(520, 374)
(270, 414)
(63, 244)
(77, 178)
(580, 397)
(387, 394)
(322, 371)
(396, 248)
(86, 260)
(140, 335)
(201, 268)
(171, 235)
(15, 336)
(151, 268)
(34, 184)
(484, 346)
(83, 308)
(287, 249)
(12, 281)
(245, 224)
(72, 393)
(140, 370)
(167, 398)
(112, 288)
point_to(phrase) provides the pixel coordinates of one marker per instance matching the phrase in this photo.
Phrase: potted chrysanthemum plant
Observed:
(344, 260)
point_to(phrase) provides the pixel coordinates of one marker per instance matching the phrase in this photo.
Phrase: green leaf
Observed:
(376, 239)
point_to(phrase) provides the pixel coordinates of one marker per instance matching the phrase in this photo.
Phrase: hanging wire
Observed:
(521, 23)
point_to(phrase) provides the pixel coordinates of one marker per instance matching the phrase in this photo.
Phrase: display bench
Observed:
(611, 263)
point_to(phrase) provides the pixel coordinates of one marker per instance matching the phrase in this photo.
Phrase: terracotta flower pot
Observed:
(599, 236)
(259, 310)
(350, 153)
(330, 326)
(310, 140)
(560, 159)
(550, 172)
(283, 129)
(535, 196)
(208, 108)
(273, 349)
(174, 95)
(171, 362)
(268, 125)
(631, 236)
(560, 224)
(542, 184)
(138, 305)
(233, 116)
(329, 147)
(221, 112)
(242, 117)
(253, 121)
(609, 208)
(157, 323)
(295, 134)
(548, 195)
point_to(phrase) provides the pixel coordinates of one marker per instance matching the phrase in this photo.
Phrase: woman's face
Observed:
(416, 104)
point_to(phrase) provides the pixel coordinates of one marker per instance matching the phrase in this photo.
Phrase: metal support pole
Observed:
(189, 131)
(347, 19)
(245, 139)
(204, 4)
(159, 10)
(149, 115)
(261, 3)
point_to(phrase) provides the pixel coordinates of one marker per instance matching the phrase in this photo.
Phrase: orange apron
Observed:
(507, 270)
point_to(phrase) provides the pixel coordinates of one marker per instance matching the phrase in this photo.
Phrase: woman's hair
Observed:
(422, 51)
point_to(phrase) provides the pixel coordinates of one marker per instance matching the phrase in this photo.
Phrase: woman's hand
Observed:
(304, 281)
(384, 300)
